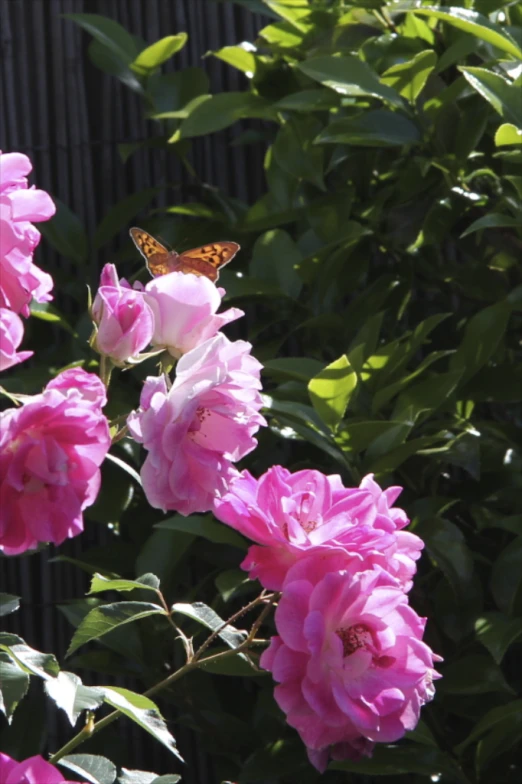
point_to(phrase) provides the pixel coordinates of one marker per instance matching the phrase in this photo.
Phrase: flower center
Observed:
(354, 637)
(305, 508)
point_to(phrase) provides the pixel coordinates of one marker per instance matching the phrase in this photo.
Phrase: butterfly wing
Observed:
(159, 260)
(208, 259)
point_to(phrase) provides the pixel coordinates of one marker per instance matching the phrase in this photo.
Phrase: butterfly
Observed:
(205, 261)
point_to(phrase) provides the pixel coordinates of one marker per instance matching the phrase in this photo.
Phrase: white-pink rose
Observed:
(11, 334)
(184, 308)
(20, 207)
(198, 428)
(124, 320)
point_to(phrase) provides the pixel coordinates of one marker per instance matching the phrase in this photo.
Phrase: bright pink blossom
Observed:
(289, 515)
(50, 452)
(88, 385)
(349, 658)
(125, 321)
(34, 770)
(20, 207)
(196, 430)
(184, 308)
(11, 334)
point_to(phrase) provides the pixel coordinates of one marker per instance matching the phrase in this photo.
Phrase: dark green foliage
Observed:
(381, 275)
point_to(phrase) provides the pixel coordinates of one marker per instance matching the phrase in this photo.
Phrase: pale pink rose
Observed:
(34, 770)
(90, 386)
(289, 515)
(125, 321)
(184, 308)
(20, 206)
(11, 334)
(50, 452)
(349, 658)
(196, 430)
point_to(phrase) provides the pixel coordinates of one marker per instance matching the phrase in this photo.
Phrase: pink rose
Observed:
(184, 308)
(289, 515)
(11, 334)
(196, 430)
(125, 321)
(20, 279)
(89, 386)
(34, 770)
(50, 452)
(349, 658)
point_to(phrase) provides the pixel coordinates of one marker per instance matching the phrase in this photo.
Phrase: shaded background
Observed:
(69, 118)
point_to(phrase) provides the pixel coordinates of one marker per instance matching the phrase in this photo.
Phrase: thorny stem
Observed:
(193, 663)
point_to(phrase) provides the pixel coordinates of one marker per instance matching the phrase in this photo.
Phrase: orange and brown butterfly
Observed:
(206, 260)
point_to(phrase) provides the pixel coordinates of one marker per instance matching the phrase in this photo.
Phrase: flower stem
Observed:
(105, 369)
(91, 729)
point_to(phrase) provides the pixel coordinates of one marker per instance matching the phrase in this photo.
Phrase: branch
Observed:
(91, 729)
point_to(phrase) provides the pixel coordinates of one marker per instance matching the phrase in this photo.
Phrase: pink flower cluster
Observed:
(175, 312)
(34, 770)
(50, 452)
(20, 279)
(349, 659)
(197, 427)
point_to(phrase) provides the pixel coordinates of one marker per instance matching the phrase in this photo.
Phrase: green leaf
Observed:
(379, 128)
(507, 134)
(14, 683)
(356, 436)
(477, 25)
(221, 110)
(497, 632)
(72, 696)
(282, 758)
(91, 767)
(229, 581)
(109, 33)
(144, 777)
(349, 76)
(204, 526)
(492, 221)
(148, 582)
(238, 57)
(482, 336)
(207, 617)
(120, 215)
(503, 96)
(294, 151)
(124, 466)
(308, 100)
(447, 548)
(494, 718)
(8, 603)
(499, 741)
(399, 760)
(410, 77)
(144, 712)
(156, 54)
(506, 578)
(426, 396)
(384, 395)
(107, 617)
(331, 390)
(473, 674)
(46, 311)
(275, 257)
(292, 368)
(66, 234)
(107, 61)
(44, 665)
